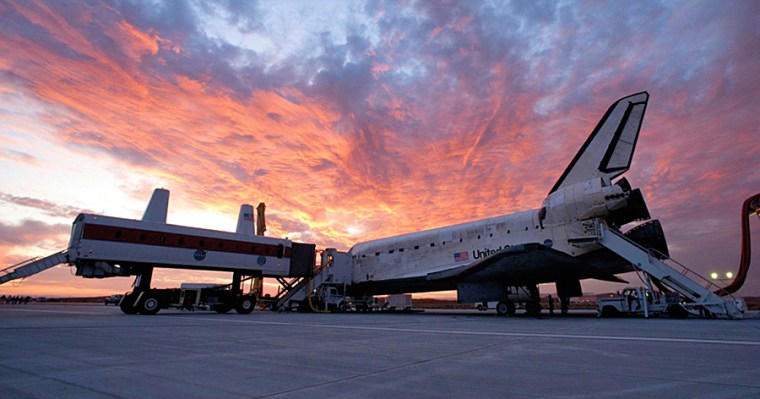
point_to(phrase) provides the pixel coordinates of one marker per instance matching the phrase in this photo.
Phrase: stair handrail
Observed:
(686, 271)
(653, 253)
(8, 270)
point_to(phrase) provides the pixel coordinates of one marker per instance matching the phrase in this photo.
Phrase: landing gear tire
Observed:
(504, 308)
(150, 304)
(245, 304)
(532, 308)
(126, 304)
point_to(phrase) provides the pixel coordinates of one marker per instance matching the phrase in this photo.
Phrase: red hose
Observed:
(751, 206)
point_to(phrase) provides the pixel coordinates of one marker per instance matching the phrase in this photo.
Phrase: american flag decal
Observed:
(461, 256)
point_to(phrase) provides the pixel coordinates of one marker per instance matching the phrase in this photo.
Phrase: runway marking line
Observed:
(52, 311)
(453, 332)
(500, 334)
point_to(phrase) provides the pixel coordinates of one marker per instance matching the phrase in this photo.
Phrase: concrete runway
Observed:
(94, 351)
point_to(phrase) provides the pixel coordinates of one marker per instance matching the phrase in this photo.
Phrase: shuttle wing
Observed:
(609, 149)
(531, 263)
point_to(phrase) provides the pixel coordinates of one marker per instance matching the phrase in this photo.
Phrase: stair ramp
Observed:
(32, 266)
(695, 288)
(300, 291)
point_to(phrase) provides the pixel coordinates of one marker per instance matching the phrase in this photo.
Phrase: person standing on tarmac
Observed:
(551, 306)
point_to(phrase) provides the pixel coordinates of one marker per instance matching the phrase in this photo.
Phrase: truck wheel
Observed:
(677, 312)
(245, 304)
(150, 305)
(126, 304)
(221, 308)
(342, 307)
(532, 308)
(610, 311)
(504, 308)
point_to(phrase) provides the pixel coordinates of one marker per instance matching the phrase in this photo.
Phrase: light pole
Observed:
(715, 276)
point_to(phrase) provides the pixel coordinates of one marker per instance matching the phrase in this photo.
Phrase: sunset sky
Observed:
(358, 120)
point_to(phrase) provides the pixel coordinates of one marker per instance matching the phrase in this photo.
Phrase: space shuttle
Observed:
(504, 259)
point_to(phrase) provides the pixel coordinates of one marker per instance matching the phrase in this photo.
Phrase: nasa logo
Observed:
(261, 260)
(200, 255)
(548, 243)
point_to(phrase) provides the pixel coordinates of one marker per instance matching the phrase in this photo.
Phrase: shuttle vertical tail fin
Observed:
(609, 149)
(158, 206)
(245, 220)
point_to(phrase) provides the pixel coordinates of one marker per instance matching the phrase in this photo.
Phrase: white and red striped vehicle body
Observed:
(125, 243)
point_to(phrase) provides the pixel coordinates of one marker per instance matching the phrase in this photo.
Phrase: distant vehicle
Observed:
(331, 297)
(190, 296)
(483, 306)
(641, 301)
(398, 302)
(112, 300)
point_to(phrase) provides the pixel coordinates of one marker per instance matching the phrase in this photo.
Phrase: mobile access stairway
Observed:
(33, 266)
(334, 268)
(697, 290)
